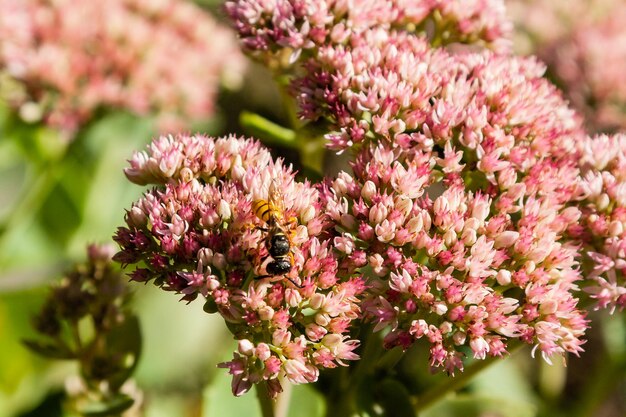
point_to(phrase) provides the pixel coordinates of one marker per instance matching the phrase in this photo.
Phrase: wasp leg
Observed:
(271, 276)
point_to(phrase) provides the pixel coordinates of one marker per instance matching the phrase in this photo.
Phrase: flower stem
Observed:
(269, 132)
(452, 384)
(282, 402)
(266, 403)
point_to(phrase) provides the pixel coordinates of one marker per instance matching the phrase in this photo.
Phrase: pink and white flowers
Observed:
(603, 231)
(197, 235)
(70, 58)
(474, 208)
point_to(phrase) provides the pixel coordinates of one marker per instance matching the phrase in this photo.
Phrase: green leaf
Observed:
(110, 407)
(210, 306)
(49, 350)
(60, 215)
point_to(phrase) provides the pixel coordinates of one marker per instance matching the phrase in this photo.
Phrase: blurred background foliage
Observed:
(56, 196)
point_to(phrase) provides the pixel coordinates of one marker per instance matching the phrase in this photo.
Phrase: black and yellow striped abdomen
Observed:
(266, 211)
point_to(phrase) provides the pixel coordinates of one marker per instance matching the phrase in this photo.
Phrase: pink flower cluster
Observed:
(459, 269)
(603, 230)
(585, 54)
(496, 112)
(162, 58)
(197, 234)
(474, 194)
(459, 198)
(285, 28)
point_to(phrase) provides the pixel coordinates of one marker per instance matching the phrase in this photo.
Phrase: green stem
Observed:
(282, 402)
(449, 385)
(599, 386)
(371, 355)
(269, 132)
(266, 403)
(342, 400)
(289, 103)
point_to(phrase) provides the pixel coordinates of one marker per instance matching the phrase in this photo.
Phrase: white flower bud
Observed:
(440, 309)
(307, 215)
(316, 301)
(368, 190)
(245, 347)
(224, 210)
(322, 319)
(266, 313)
(503, 277)
(506, 239)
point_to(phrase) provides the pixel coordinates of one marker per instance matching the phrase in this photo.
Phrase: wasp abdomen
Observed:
(278, 267)
(265, 211)
(279, 245)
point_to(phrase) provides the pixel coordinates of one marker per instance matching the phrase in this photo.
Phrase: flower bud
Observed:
(368, 190)
(506, 239)
(616, 228)
(348, 221)
(136, 217)
(503, 277)
(262, 351)
(403, 204)
(315, 332)
(307, 215)
(415, 225)
(459, 338)
(378, 213)
(322, 319)
(219, 261)
(266, 313)
(186, 174)
(316, 301)
(445, 327)
(224, 210)
(280, 337)
(293, 297)
(332, 340)
(440, 309)
(245, 347)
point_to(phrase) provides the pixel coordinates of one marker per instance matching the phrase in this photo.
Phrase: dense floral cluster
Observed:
(603, 230)
(72, 57)
(484, 260)
(197, 234)
(459, 224)
(495, 113)
(460, 269)
(584, 45)
(269, 28)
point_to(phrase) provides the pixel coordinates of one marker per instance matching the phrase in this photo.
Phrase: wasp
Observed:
(271, 211)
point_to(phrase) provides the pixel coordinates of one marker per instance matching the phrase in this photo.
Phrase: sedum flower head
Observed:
(455, 269)
(458, 201)
(603, 227)
(197, 234)
(487, 122)
(278, 29)
(73, 57)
